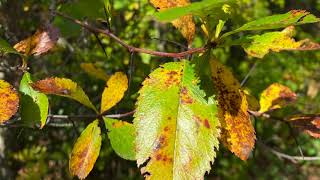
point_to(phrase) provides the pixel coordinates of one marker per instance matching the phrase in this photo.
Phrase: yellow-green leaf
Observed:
(94, 71)
(260, 45)
(185, 23)
(117, 85)
(86, 151)
(237, 132)
(63, 87)
(276, 96)
(41, 42)
(122, 136)
(9, 101)
(177, 129)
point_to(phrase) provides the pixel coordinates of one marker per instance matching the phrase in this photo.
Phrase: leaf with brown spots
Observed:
(176, 128)
(308, 123)
(276, 96)
(9, 101)
(41, 42)
(117, 85)
(260, 45)
(237, 132)
(121, 135)
(63, 87)
(185, 23)
(86, 151)
(94, 71)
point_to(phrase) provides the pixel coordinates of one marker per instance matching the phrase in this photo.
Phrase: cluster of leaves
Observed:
(177, 127)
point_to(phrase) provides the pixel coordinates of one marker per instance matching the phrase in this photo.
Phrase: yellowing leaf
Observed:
(63, 87)
(237, 131)
(94, 71)
(276, 96)
(117, 85)
(260, 45)
(41, 42)
(177, 130)
(309, 123)
(253, 103)
(9, 101)
(185, 23)
(86, 151)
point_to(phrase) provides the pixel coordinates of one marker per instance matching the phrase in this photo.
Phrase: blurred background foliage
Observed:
(43, 154)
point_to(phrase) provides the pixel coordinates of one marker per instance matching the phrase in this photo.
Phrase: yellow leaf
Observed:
(276, 96)
(9, 101)
(185, 24)
(253, 103)
(41, 42)
(94, 71)
(117, 85)
(63, 87)
(237, 131)
(86, 151)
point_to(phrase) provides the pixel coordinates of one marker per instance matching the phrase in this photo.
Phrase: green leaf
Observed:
(294, 17)
(177, 129)
(6, 48)
(86, 151)
(203, 8)
(63, 87)
(34, 105)
(260, 45)
(121, 135)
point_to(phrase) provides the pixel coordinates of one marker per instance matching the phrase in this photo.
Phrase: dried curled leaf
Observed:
(92, 70)
(185, 23)
(237, 132)
(63, 87)
(9, 101)
(260, 45)
(86, 151)
(177, 130)
(309, 123)
(41, 42)
(276, 96)
(117, 85)
(122, 136)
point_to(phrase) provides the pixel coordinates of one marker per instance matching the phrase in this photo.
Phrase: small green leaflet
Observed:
(294, 17)
(122, 136)
(6, 48)
(203, 8)
(34, 106)
(177, 129)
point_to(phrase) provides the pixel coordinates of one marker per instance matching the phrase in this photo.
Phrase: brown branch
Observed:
(129, 47)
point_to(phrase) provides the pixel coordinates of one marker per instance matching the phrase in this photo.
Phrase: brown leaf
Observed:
(237, 133)
(9, 101)
(41, 42)
(185, 24)
(310, 124)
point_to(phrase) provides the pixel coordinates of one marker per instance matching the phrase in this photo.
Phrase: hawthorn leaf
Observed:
(185, 23)
(291, 18)
(276, 96)
(308, 123)
(86, 151)
(176, 128)
(260, 45)
(63, 87)
(41, 42)
(94, 71)
(202, 9)
(117, 85)
(122, 136)
(6, 48)
(34, 105)
(9, 101)
(237, 132)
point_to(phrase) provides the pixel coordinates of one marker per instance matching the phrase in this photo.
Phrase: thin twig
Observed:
(281, 155)
(129, 47)
(249, 74)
